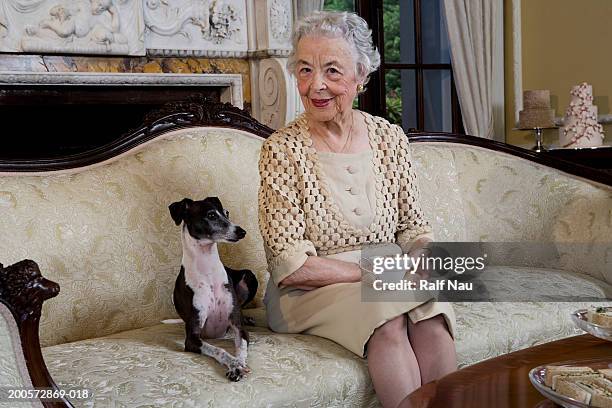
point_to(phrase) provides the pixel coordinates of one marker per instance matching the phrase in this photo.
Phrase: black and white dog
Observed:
(207, 295)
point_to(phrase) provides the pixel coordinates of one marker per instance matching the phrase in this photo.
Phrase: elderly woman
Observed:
(334, 180)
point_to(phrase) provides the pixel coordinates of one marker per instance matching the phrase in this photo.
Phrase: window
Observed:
(414, 86)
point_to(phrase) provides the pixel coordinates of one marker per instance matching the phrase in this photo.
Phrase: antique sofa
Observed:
(97, 225)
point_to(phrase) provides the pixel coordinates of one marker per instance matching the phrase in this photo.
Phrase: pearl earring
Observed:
(360, 88)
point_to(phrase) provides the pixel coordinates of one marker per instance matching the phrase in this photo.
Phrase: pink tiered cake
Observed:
(580, 127)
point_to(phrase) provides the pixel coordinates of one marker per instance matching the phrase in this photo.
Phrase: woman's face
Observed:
(326, 76)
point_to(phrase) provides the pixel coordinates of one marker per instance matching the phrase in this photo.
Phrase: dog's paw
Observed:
(237, 371)
(248, 321)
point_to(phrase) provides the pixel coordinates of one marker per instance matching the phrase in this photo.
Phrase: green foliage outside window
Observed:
(393, 86)
(339, 5)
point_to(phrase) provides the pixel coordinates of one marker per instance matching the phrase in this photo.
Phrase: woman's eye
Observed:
(304, 70)
(333, 71)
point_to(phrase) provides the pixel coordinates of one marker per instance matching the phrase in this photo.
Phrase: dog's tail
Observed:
(172, 321)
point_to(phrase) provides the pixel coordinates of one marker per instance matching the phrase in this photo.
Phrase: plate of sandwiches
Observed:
(575, 384)
(595, 320)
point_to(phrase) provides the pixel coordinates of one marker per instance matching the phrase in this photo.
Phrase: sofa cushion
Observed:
(106, 236)
(517, 283)
(147, 367)
(488, 329)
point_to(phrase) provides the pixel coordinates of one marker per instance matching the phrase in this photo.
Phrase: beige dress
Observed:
(336, 311)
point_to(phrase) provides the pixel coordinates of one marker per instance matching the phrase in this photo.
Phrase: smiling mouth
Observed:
(321, 103)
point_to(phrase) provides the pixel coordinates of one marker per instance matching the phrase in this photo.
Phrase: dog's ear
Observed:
(215, 202)
(177, 210)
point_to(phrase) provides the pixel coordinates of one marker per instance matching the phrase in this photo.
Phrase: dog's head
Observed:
(206, 220)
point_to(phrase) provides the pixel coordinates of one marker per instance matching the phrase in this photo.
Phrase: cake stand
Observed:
(539, 131)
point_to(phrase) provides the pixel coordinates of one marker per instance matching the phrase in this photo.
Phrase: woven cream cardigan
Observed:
(298, 216)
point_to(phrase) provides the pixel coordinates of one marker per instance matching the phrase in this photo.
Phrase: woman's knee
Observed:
(432, 328)
(394, 330)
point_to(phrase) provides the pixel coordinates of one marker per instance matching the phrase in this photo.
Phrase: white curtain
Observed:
(476, 34)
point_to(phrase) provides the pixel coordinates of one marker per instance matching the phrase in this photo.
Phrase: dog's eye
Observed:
(211, 215)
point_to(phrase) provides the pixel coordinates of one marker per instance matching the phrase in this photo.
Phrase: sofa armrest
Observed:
(13, 370)
(22, 293)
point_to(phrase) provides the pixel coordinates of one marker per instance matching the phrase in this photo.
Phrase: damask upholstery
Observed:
(474, 194)
(105, 235)
(146, 367)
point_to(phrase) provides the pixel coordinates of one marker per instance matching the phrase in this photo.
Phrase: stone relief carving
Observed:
(209, 28)
(3, 24)
(72, 26)
(231, 84)
(280, 20)
(272, 93)
(205, 27)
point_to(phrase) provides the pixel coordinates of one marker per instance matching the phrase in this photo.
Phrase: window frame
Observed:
(374, 99)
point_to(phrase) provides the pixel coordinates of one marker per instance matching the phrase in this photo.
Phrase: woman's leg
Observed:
(433, 346)
(392, 364)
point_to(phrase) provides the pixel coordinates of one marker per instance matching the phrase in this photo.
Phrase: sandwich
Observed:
(603, 382)
(551, 371)
(583, 384)
(607, 373)
(601, 316)
(601, 397)
(574, 391)
(573, 378)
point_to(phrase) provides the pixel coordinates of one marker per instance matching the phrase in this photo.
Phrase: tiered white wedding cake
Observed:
(580, 127)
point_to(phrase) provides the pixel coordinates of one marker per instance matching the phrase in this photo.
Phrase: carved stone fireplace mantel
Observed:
(229, 84)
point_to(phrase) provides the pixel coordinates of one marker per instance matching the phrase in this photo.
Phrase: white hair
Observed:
(333, 24)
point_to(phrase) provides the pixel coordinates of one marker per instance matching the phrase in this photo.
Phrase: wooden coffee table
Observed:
(503, 382)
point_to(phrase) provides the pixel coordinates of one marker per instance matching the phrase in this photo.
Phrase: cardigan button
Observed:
(351, 191)
(351, 169)
(357, 211)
